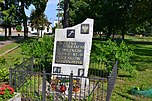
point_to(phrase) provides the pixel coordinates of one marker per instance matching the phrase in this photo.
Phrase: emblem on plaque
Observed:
(70, 33)
(56, 69)
(80, 72)
(84, 28)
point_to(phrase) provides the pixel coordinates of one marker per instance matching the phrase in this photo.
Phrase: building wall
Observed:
(47, 30)
(1, 28)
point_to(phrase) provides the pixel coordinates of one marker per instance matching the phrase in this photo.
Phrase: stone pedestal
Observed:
(17, 97)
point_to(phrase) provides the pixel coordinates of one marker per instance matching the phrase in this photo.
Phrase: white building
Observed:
(47, 30)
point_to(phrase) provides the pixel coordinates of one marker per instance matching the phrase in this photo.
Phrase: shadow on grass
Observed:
(143, 57)
(131, 41)
(2, 38)
(13, 38)
(125, 96)
(143, 52)
(98, 72)
(126, 76)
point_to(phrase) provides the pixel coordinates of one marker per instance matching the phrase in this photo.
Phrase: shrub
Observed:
(3, 71)
(4, 74)
(18, 27)
(2, 61)
(42, 50)
(111, 51)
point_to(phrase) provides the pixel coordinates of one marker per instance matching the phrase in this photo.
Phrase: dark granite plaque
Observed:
(69, 52)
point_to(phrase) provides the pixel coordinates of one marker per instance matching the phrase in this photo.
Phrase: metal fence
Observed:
(42, 86)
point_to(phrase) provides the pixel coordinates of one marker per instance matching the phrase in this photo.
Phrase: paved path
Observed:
(7, 42)
(14, 34)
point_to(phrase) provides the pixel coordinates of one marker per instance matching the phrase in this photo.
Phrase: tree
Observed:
(141, 15)
(8, 15)
(111, 16)
(14, 12)
(1, 2)
(60, 14)
(40, 5)
(24, 4)
(66, 13)
(38, 20)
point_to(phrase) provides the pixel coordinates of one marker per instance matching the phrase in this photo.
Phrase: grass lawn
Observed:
(143, 62)
(14, 59)
(10, 46)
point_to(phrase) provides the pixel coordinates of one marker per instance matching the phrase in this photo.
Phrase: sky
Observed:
(50, 10)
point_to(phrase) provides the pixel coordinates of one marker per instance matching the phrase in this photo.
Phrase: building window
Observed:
(32, 28)
(47, 29)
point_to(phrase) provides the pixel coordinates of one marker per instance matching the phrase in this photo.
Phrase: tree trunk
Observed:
(66, 13)
(25, 28)
(37, 34)
(41, 33)
(109, 33)
(24, 20)
(10, 33)
(5, 31)
(113, 36)
(100, 33)
(123, 34)
(6, 7)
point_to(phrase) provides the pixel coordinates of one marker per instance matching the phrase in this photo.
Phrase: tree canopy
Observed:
(38, 20)
(1, 2)
(14, 11)
(112, 16)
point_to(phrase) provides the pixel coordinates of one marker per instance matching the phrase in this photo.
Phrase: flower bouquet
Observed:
(76, 86)
(6, 92)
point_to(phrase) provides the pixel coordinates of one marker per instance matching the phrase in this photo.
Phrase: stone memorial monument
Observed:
(72, 47)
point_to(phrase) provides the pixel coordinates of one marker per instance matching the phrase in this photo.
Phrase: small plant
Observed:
(6, 92)
(3, 71)
(18, 28)
(2, 61)
(16, 61)
(4, 74)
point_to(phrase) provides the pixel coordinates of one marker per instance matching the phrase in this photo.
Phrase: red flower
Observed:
(3, 85)
(2, 88)
(10, 88)
(11, 92)
(2, 93)
(6, 86)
